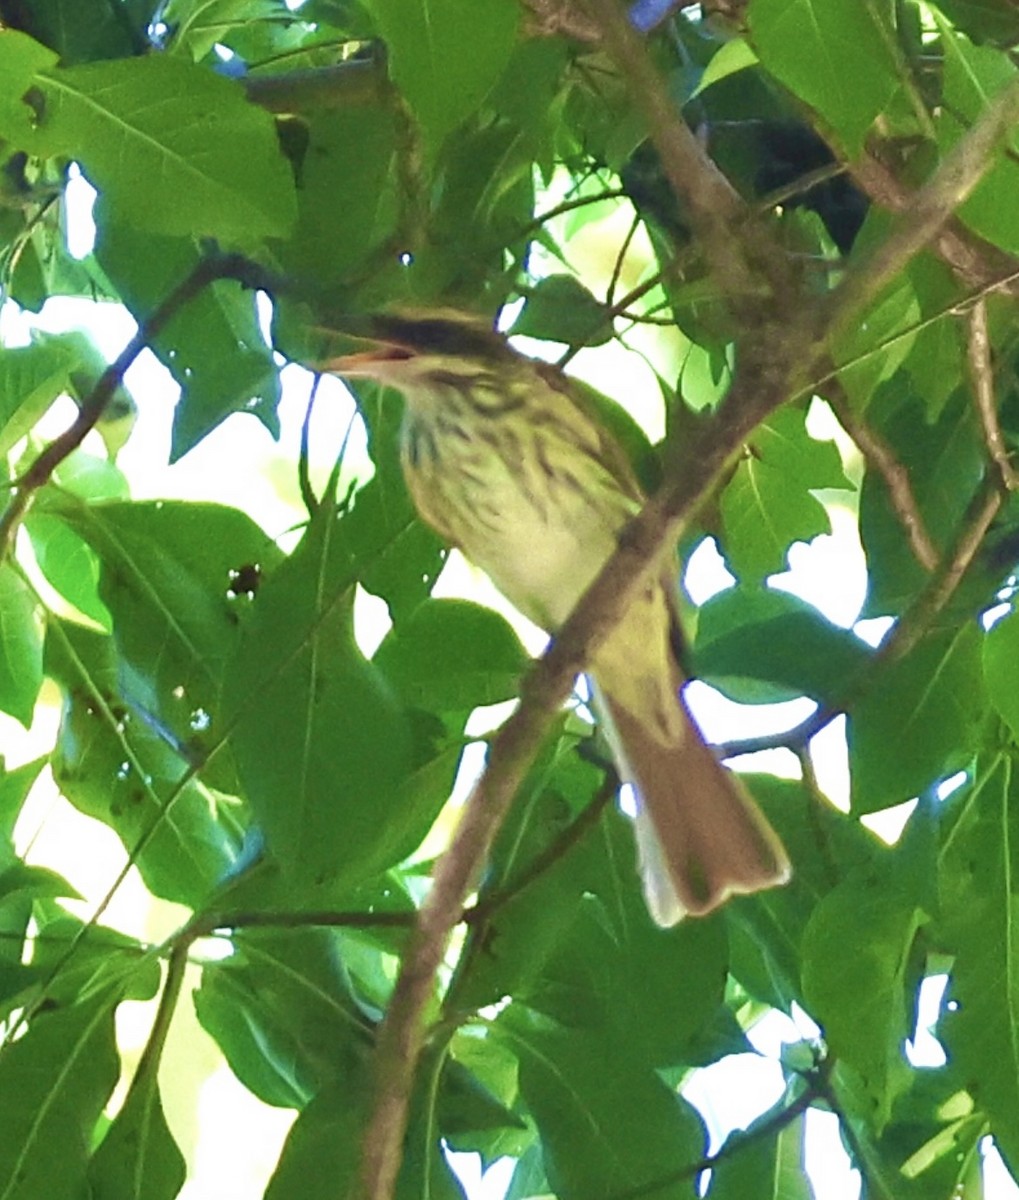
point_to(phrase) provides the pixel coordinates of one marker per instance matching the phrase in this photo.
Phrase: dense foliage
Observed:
(218, 714)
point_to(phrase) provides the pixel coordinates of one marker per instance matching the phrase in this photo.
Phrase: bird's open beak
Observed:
(365, 363)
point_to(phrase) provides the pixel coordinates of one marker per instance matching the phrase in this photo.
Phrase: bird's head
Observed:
(408, 349)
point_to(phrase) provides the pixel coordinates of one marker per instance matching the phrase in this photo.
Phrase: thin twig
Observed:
(981, 370)
(93, 406)
(814, 1091)
(557, 849)
(617, 267)
(817, 803)
(911, 627)
(880, 457)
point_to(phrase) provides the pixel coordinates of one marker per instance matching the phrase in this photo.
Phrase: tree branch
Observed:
(880, 458)
(977, 263)
(930, 208)
(93, 406)
(815, 1089)
(981, 371)
(746, 268)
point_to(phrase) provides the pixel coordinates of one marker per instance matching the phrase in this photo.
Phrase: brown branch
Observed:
(880, 458)
(961, 170)
(976, 262)
(981, 370)
(559, 18)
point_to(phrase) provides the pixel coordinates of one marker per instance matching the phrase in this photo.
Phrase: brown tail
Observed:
(700, 835)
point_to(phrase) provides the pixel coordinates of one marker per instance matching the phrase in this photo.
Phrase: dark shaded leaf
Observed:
(607, 1123)
(762, 646)
(54, 1083)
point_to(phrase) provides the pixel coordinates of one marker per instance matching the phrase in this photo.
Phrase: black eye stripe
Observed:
(441, 336)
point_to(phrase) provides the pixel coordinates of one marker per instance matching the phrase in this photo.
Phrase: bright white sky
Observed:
(232, 1138)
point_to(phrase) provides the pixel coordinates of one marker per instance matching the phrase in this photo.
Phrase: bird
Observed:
(507, 459)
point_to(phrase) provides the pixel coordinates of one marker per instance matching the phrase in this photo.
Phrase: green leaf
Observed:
(21, 58)
(398, 556)
(573, 939)
(282, 1011)
(213, 346)
(138, 1158)
(322, 1155)
(114, 763)
(452, 656)
(758, 645)
(936, 355)
(54, 1083)
(175, 148)
(349, 152)
(166, 581)
(471, 1118)
(14, 788)
(322, 745)
(445, 58)
(31, 378)
(607, 1123)
(731, 57)
(560, 309)
(835, 56)
(984, 20)
(981, 925)
(767, 505)
(1000, 651)
(879, 340)
(20, 646)
(859, 999)
(69, 564)
(766, 930)
(917, 721)
(199, 25)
